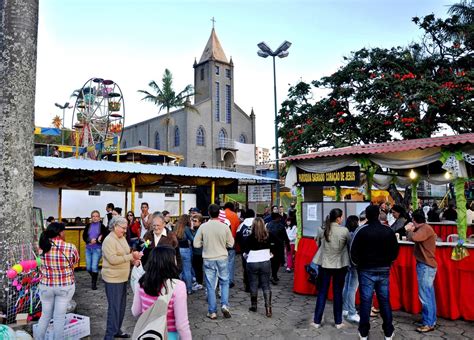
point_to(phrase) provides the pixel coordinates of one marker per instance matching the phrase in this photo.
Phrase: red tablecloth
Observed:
(443, 230)
(454, 283)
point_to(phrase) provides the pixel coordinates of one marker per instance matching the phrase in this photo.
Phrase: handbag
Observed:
(312, 269)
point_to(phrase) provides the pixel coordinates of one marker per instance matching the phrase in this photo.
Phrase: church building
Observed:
(213, 132)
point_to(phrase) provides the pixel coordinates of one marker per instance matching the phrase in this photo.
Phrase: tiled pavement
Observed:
(292, 314)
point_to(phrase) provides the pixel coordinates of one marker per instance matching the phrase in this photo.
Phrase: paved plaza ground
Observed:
(292, 314)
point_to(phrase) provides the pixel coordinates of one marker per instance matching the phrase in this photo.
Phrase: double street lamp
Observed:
(280, 52)
(62, 107)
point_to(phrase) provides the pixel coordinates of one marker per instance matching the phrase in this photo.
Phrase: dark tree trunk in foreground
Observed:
(18, 42)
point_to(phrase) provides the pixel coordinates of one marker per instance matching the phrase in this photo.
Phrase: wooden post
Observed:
(299, 215)
(77, 144)
(213, 192)
(126, 200)
(180, 201)
(132, 208)
(60, 199)
(118, 149)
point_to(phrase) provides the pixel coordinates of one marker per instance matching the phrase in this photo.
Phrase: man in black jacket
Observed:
(374, 247)
(278, 231)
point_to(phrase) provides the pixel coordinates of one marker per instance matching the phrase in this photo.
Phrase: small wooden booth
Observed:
(437, 160)
(74, 173)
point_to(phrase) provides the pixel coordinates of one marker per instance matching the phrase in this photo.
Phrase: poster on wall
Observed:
(312, 210)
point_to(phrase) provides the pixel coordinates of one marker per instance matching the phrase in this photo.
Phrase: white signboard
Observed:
(260, 193)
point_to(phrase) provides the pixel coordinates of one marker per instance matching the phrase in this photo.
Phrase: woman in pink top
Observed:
(160, 267)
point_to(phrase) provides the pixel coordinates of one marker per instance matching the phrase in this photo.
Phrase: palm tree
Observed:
(166, 98)
(464, 10)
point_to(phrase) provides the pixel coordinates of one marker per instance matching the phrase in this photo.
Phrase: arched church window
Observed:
(242, 139)
(222, 138)
(157, 141)
(200, 136)
(176, 136)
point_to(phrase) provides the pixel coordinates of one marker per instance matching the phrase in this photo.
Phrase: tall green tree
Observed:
(385, 94)
(18, 46)
(165, 97)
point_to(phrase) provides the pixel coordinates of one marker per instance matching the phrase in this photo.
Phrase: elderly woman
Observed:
(117, 258)
(57, 284)
(159, 235)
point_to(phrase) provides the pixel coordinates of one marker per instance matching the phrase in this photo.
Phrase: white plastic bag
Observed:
(137, 273)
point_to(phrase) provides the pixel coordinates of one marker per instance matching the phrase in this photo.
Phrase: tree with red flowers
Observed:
(387, 94)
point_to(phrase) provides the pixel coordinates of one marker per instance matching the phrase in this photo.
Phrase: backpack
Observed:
(153, 323)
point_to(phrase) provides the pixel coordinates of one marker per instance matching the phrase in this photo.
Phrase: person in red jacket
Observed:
(133, 230)
(234, 220)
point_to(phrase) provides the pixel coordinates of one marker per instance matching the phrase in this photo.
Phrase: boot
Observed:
(268, 303)
(94, 277)
(253, 303)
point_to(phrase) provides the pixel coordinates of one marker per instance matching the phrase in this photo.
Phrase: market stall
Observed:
(437, 160)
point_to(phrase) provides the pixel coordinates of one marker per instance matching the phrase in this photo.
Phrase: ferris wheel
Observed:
(98, 116)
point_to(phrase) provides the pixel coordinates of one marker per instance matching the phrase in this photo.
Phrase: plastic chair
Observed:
(452, 238)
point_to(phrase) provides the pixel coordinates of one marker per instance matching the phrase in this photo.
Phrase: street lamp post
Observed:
(280, 52)
(62, 107)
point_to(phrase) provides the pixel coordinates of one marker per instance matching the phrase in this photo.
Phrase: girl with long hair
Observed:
(185, 239)
(352, 282)
(162, 272)
(133, 230)
(291, 232)
(258, 264)
(57, 284)
(333, 260)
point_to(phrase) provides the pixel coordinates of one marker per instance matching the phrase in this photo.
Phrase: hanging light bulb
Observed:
(412, 174)
(447, 175)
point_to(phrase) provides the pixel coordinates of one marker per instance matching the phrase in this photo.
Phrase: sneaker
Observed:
(340, 326)
(363, 337)
(226, 312)
(315, 325)
(288, 270)
(197, 286)
(212, 316)
(353, 318)
(345, 313)
(425, 329)
(389, 337)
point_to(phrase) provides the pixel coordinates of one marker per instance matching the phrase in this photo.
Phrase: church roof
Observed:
(213, 50)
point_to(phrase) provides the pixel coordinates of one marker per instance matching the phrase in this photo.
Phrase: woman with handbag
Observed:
(57, 284)
(160, 280)
(333, 259)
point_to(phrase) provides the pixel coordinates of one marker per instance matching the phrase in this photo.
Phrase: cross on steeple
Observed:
(213, 21)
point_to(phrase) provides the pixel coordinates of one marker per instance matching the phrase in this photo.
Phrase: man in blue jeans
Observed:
(425, 247)
(373, 249)
(214, 237)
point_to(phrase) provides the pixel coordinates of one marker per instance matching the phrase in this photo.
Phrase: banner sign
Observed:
(348, 176)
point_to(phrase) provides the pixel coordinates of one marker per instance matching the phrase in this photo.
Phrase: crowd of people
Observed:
(190, 254)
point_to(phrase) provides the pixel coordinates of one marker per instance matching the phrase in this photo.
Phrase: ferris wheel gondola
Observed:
(99, 116)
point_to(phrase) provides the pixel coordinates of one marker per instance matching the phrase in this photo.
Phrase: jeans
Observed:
(290, 256)
(349, 291)
(117, 300)
(186, 257)
(426, 293)
(216, 271)
(54, 301)
(231, 259)
(93, 256)
(378, 279)
(259, 276)
(324, 278)
(197, 267)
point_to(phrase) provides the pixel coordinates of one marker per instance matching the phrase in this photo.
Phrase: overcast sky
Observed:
(133, 41)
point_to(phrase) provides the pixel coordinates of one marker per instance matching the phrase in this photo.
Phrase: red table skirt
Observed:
(443, 230)
(454, 283)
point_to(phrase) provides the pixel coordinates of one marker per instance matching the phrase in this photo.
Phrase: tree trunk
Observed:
(18, 43)
(168, 120)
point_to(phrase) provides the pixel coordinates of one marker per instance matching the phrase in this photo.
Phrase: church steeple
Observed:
(213, 50)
